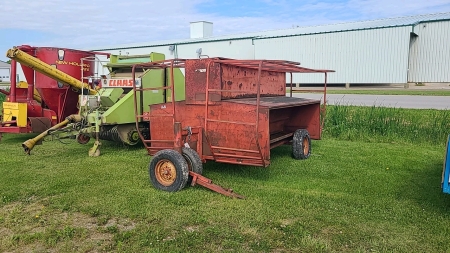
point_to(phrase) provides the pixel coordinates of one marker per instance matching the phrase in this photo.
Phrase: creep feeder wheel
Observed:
(165, 172)
(168, 170)
(301, 144)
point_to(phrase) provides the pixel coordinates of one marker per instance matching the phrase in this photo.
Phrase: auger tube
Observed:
(29, 144)
(45, 69)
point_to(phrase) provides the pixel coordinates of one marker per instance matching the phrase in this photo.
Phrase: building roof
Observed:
(361, 25)
(297, 31)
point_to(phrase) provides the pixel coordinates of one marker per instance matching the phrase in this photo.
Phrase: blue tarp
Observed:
(446, 171)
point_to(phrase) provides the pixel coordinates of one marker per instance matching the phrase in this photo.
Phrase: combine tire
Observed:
(301, 144)
(193, 160)
(168, 170)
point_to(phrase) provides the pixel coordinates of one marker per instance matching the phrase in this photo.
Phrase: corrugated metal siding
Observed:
(237, 49)
(366, 56)
(330, 28)
(430, 53)
(359, 25)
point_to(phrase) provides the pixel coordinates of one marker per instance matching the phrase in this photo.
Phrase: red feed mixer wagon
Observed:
(235, 112)
(21, 112)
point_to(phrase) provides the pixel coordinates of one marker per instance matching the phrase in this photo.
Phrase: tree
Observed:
(8, 61)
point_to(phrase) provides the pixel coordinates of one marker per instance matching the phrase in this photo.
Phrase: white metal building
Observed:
(5, 70)
(385, 51)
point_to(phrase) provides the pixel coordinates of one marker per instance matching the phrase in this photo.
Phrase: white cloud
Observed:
(392, 8)
(96, 23)
(101, 22)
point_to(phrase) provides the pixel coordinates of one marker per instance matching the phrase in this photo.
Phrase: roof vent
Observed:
(201, 29)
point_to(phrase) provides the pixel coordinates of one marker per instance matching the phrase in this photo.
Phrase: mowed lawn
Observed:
(349, 196)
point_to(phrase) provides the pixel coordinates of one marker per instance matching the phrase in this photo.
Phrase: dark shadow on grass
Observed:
(251, 172)
(279, 152)
(235, 170)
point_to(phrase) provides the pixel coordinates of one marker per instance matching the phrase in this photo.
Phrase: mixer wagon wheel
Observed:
(193, 160)
(301, 144)
(83, 139)
(168, 170)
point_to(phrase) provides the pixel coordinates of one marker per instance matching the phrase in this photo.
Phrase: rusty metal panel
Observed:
(39, 124)
(161, 126)
(306, 117)
(288, 114)
(239, 81)
(233, 134)
(286, 120)
(246, 80)
(195, 80)
(234, 126)
(234, 129)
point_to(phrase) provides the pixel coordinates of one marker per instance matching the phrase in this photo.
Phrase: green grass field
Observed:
(358, 194)
(382, 124)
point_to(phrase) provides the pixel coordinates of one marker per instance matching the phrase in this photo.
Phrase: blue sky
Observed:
(83, 24)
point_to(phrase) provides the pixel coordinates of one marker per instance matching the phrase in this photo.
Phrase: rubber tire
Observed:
(298, 149)
(181, 168)
(193, 160)
(83, 139)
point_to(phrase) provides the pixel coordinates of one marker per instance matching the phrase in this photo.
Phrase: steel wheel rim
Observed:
(305, 146)
(83, 139)
(165, 172)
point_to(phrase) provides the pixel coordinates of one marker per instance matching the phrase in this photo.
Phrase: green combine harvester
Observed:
(106, 103)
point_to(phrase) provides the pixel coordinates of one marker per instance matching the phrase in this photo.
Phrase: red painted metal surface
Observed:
(34, 110)
(247, 113)
(59, 101)
(60, 98)
(28, 72)
(231, 130)
(227, 81)
(206, 182)
(13, 78)
(235, 112)
(13, 129)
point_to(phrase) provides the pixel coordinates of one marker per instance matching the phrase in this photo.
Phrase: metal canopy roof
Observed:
(272, 65)
(266, 65)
